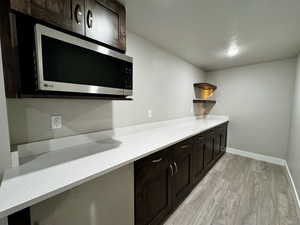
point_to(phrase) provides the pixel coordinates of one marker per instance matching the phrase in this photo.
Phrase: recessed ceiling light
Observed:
(233, 50)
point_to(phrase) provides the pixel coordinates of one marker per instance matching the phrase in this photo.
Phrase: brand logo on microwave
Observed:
(49, 85)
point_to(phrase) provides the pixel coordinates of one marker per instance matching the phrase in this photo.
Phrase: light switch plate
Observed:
(56, 122)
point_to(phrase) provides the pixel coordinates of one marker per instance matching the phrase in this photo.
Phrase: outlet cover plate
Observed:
(56, 122)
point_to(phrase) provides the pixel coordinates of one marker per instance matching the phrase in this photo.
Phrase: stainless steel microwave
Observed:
(69, 64)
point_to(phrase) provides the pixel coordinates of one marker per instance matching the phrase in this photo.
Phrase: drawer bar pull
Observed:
(184, 146)
(176, 167)
(172, 170)
(156, 160)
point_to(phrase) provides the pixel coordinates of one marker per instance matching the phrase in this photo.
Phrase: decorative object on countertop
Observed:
(203, 91)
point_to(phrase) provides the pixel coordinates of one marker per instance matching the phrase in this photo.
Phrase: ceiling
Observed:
(202, 31)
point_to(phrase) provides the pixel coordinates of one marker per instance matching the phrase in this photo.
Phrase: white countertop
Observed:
(78, 159)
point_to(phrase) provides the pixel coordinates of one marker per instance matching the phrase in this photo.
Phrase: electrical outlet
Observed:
(150, 113)
(56, 122)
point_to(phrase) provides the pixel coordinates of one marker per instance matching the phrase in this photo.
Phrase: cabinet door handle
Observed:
(156, 160)
(78, 14)
(184, 146)
(176, 167)
(172, 170)
(90, 19)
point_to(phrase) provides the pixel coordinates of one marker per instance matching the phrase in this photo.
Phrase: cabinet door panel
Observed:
(57, 12)
(78, 16)
(208, 153)
(217, 143)
(23, 6)
(68, 14)
(152, 190)
(223, 134)
(105, 22)
(198, 158)
(182, 181)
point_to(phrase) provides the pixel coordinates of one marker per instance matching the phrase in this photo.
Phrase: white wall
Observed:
(294, 144)
(258, 100)
(4, 136)
(162, 83)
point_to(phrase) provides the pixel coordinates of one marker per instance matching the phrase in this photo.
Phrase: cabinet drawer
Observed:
(185, 145)
(154, 160)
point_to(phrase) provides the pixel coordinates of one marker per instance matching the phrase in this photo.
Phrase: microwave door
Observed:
(70, 64)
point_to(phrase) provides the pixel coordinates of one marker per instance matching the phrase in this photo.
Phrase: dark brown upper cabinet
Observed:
(55, 12)
(23, 6)
(78, 16)
(105, 22)
(101, 20)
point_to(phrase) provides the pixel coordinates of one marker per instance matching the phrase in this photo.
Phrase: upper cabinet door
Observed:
(57, 12)
(23, 6)
(78, 16)
(105, 22)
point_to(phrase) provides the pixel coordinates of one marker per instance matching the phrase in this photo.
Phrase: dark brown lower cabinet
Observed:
(209, 149)
(223, 138)
(153, 192)
(164, 179)
(217, 143)
(20, 218)
(198, 158)
(182, 179)
(220, 141)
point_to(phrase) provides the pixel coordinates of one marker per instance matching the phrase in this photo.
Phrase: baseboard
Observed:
(296, 196)
(260, 157)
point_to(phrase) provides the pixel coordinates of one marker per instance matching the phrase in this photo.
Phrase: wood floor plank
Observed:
(239, 191)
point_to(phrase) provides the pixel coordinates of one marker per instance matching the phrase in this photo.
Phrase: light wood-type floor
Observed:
(240, 191)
